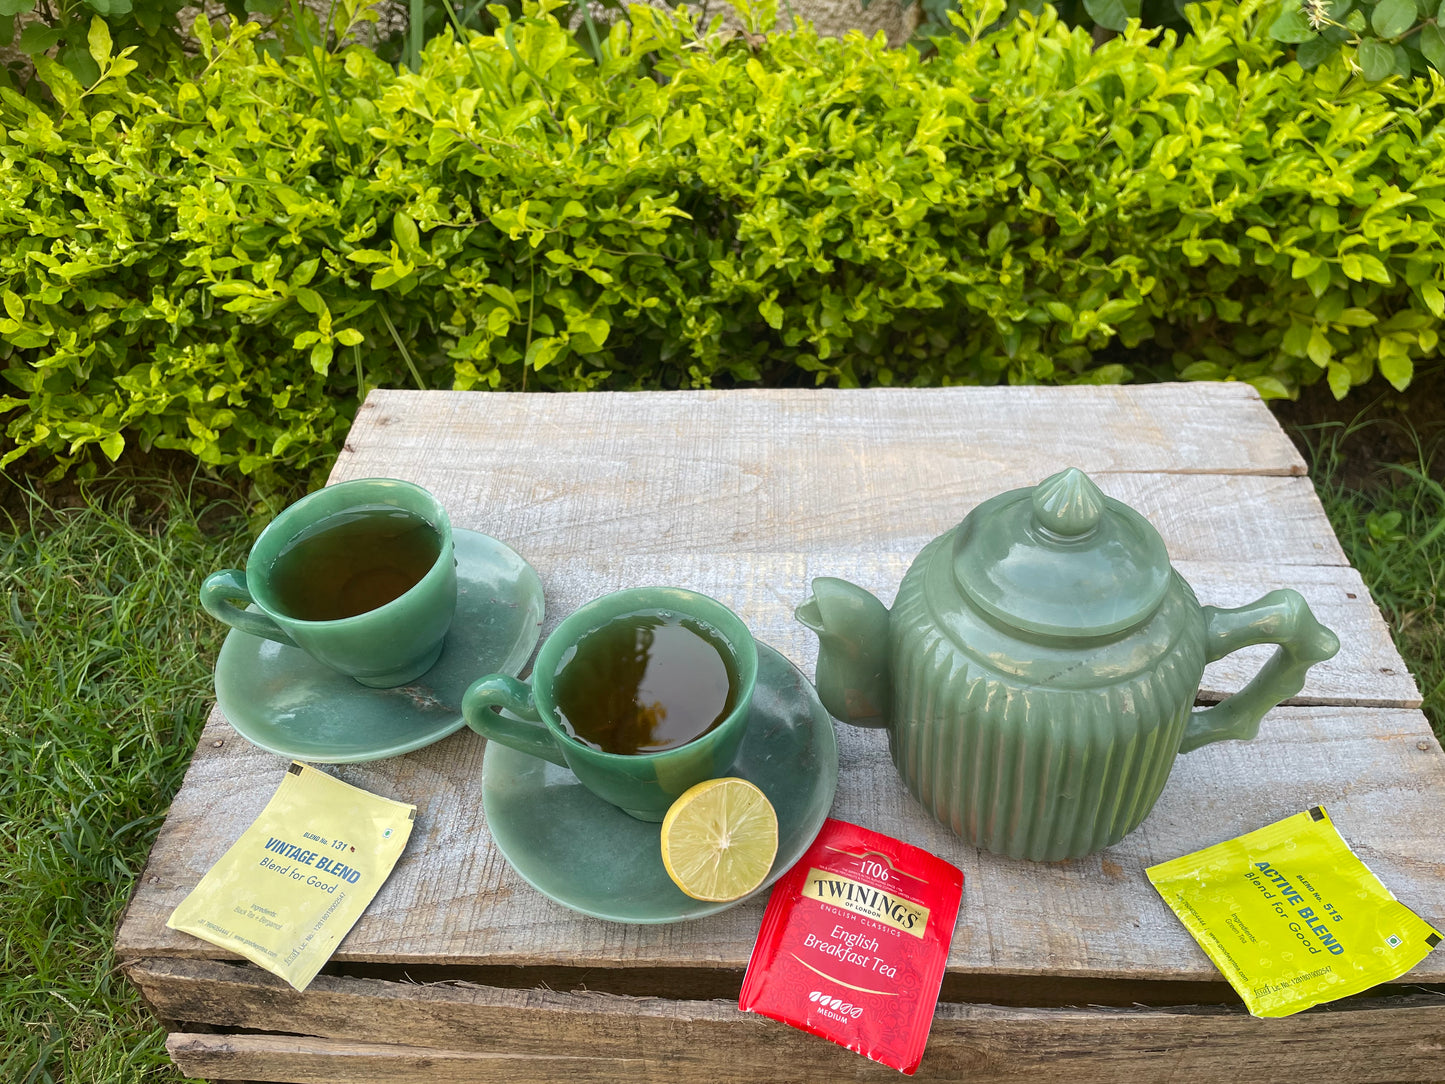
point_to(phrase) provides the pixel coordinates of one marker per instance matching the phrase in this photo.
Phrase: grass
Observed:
(1392, 529)
(105, 681)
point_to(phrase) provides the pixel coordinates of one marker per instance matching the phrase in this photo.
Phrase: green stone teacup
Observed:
(360, 575)
(638, 780)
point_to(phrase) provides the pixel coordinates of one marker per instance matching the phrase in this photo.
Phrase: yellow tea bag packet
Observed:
(1291, 915)
(297, 880)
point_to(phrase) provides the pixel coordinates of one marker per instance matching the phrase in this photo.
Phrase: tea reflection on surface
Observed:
(645, 683)
(353, 562)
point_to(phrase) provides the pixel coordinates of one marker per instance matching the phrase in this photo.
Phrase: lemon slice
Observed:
(719, 839)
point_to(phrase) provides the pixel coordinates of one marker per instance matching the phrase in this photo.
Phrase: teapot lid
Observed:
(1061, 559)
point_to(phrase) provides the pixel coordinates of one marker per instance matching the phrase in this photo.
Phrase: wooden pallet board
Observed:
(1201, 428)
(1103, 921)
(481, 1034)
(749, 473)
(748, 496)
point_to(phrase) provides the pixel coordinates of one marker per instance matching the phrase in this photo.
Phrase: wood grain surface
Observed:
(480, 1035)
(453, 900)
(747, 496)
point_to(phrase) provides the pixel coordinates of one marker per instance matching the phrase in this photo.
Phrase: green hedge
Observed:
(222, 262)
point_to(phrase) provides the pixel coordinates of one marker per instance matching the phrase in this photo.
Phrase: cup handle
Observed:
(498, 690)
(1280, 617)
(218, 593)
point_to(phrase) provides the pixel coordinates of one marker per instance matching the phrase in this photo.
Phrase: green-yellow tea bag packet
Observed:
(297, 880)
(1291, 915)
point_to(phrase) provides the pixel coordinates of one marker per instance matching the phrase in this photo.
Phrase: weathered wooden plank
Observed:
(453, 900)
(325, 1061)
(1211, 428)
(748, 496)
(592, 1038)
(741, 475)
(232, 994)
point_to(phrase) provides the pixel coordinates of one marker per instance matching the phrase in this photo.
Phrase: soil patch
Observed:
(1375, 424)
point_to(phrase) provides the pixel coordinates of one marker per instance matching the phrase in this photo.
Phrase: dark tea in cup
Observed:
(641, 693)
(360, 575)
(644, 683)
(352, 562)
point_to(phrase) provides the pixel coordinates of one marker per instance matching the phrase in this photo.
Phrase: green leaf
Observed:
(1373, 270)
(1303, 265)
(772, 312)
(78, 62)
(305, 272)
(1358, 317)
(1377, 61)
(99, 41)
(1113, 14)
(1269, 387)
(1432, 46)
(1339, 379)
(505, 296)
(390, 276)
(406, 234)
(1312, 54)
(998, 238)
(1297, 339)
(38, 38)
(1398, 369)
(349, 336)
(16, 7)
(112, 446)
(1291, 26)
(1434, 298)
(1402, 60)
(542, 353)
(593, 328)
(1391, 18)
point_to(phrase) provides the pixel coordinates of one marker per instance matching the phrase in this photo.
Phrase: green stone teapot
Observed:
(1037, 673)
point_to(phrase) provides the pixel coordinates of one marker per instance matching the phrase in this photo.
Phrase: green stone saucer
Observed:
(590, 856)
(281, 699)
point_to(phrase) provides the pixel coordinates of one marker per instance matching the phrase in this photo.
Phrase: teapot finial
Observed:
(1068, 503)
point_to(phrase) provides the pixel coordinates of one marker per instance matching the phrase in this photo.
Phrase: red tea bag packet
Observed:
(854, 942)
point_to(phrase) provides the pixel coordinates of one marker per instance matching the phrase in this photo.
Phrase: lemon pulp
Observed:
(719, 839)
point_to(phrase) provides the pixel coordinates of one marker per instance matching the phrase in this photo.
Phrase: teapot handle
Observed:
(1280, 617)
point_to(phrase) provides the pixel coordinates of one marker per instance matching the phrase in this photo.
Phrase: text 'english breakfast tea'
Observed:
(854, 943)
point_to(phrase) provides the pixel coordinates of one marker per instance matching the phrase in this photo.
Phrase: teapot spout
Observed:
(852, 626)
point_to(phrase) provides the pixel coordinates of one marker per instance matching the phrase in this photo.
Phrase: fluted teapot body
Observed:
(1037, 672)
